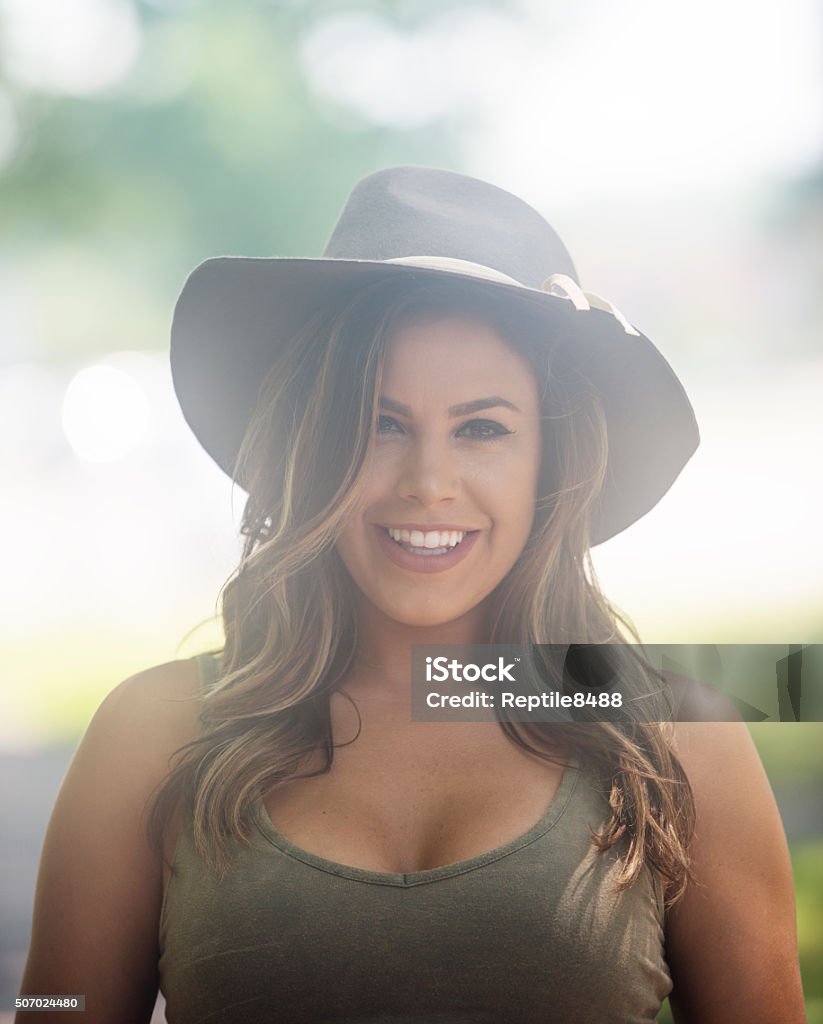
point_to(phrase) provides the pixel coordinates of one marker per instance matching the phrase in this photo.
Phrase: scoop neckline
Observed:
(545, 823)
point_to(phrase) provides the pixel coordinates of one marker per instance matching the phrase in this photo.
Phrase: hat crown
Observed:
(425, 211)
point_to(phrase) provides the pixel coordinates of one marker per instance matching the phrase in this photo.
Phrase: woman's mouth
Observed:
(430, 551)
(434, 542)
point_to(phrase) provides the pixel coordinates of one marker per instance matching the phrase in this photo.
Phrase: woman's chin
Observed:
(430, 616)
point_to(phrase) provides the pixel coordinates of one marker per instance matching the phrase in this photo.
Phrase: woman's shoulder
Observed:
(146, 718)
(163, 698)
(741, 894)
(170, 681)
(734, 803)
(137, 730)
(100, 882)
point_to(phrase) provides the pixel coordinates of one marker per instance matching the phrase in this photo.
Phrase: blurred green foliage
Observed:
(214, 143)
(807, 860)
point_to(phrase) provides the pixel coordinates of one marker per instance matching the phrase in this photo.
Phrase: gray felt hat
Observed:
(425, 223)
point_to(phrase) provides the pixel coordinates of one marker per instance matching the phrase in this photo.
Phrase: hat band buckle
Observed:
(584, 300)
(560, 285)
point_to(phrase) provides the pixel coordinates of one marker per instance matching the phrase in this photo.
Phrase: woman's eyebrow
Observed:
(455, 410)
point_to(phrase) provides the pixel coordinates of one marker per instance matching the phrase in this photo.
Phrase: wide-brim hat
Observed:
(418, 223)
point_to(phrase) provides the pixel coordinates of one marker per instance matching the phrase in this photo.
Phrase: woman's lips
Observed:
(424, 563)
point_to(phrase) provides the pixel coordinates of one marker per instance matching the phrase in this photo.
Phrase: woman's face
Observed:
(457, 455)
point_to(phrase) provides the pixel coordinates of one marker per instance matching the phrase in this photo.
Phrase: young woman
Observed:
(434, 424)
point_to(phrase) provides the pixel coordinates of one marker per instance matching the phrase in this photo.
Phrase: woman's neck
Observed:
(384, 646)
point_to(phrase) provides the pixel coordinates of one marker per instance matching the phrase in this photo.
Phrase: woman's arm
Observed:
(732, 941)
(99, 887)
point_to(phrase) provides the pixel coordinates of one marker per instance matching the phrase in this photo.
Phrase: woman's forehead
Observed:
(458, 355)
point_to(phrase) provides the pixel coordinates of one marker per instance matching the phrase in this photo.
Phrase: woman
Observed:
(434, 424)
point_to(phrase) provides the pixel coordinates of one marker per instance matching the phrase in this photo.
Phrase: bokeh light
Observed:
(74, 47)
(105, 413)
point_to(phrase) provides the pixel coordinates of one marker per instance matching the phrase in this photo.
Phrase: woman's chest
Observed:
(402, 803)
(531, 930)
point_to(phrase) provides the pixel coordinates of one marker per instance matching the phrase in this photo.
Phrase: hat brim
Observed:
(234, 311)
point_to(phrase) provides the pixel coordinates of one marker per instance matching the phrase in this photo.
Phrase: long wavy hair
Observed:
(290, 632)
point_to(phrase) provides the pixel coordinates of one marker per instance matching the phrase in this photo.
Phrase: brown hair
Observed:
(290, 632)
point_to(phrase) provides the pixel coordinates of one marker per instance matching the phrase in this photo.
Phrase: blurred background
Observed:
(678, 151)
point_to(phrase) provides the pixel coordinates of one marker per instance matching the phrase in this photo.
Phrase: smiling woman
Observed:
(430, 444)
(455, 473)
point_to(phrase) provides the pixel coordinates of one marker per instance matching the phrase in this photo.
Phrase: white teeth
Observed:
(431, 539)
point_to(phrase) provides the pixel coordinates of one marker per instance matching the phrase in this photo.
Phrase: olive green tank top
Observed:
(530, 931)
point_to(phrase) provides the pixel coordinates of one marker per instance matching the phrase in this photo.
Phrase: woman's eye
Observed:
(475, 430)
(484, 430)
(385, 424)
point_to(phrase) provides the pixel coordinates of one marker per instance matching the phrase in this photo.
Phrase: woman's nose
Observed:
(429, 473)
